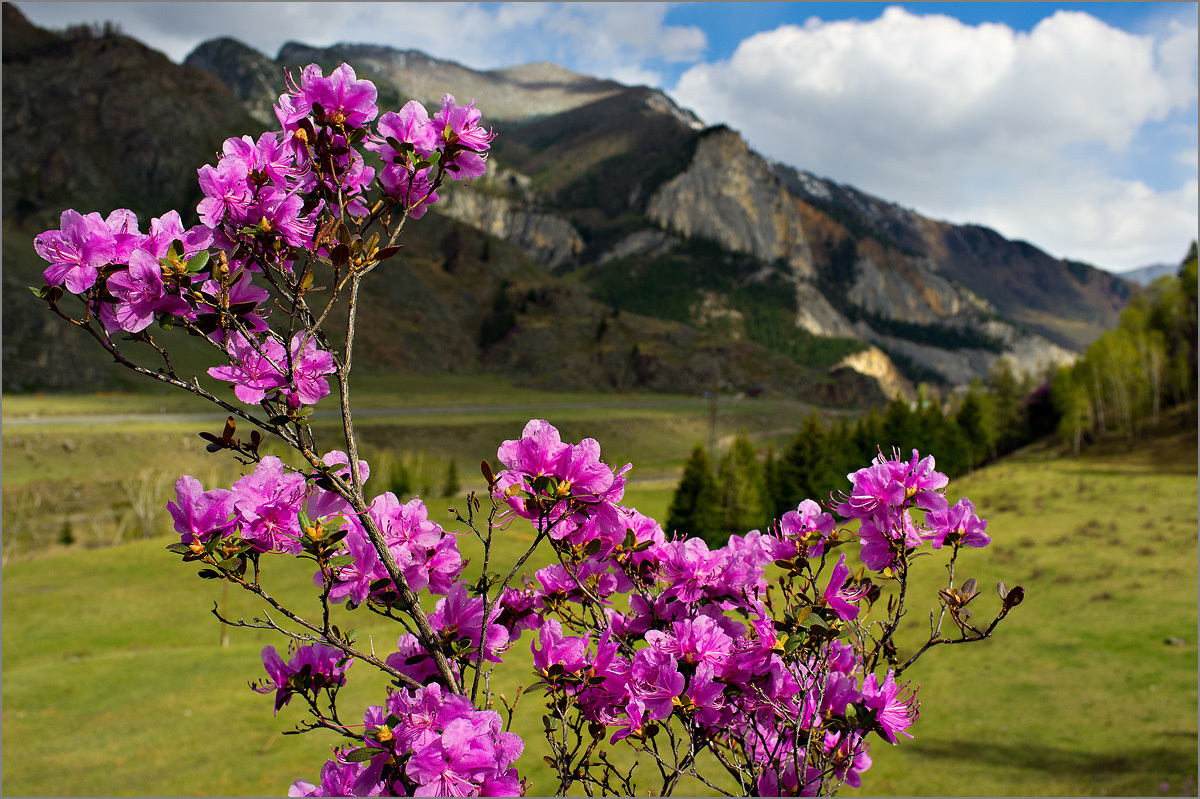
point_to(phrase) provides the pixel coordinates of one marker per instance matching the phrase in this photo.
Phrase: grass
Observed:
(64, 457)
(114, 681)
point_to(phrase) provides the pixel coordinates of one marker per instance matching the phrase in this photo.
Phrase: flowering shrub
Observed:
(769, 653)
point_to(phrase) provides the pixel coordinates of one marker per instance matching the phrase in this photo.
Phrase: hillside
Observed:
(616, 243)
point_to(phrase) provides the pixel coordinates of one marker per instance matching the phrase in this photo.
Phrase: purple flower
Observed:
(309, 364)
(76, 251)
(337, 779)
(410, 125)
(226, 193)
(460, 615)
(654, 679)
(536, 452)
(895, 710)
(920, 481)
(464, 142)
(807, 524)
(568, 652)
(268, 157)
(278, 211)
(200, 514)
(837, 597)
(698, 640)
(139, 292)
(873, 487)
(268, 503)
(123, 224)
(344, 98)
(313, 668)
(959, 524)
(253, 371)
(168, 228)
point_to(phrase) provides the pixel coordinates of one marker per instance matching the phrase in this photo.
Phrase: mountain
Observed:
(1145, 275)
(617, 242)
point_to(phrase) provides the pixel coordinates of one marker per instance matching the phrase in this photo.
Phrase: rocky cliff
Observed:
(503, 205)
(728, 194)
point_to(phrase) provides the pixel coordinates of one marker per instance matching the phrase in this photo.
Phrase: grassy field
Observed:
(99, 464)
(115, 683)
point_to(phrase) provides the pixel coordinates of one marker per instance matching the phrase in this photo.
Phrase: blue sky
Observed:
(1071, 125)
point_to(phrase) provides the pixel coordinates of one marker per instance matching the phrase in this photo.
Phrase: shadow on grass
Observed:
(1177, 755)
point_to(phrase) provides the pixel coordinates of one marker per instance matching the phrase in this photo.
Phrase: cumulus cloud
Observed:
(604, 39)
(972, 122)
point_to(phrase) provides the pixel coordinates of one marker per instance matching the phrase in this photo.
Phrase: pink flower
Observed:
(254, 371)
(200, 514)
(557, 649)
(894, 710)
(411, 125)
(342, 96)
(324, 669)
(226, 193)
(76, 251)
(463, 141)
(309, 365)
(837, 598)
(806, 523)
(138, 290)
(958, 523)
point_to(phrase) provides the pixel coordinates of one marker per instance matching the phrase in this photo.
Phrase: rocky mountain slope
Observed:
(616, 242)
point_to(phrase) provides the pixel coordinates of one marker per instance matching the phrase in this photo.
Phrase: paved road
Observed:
(332, 413)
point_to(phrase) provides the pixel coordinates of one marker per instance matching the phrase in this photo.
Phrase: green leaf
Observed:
(198, 261)
(360, 755)
(179, 548)
(341, 560)
(305, 521)
(793, 643)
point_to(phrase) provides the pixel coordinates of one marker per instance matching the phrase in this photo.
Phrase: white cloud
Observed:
(971, 122)
(605, 39)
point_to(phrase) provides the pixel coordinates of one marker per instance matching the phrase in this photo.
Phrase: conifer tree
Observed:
(694, 508)
(739, 481)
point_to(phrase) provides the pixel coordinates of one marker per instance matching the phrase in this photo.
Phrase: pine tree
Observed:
(805, 468)
(694, 507)
(452, 484)
(739, 481)
(975, 421)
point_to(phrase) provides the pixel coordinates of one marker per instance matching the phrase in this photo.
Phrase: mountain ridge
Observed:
(603, 198)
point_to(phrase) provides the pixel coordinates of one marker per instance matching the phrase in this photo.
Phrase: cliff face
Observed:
(728, 194)
(502, 204)
(1067, 302)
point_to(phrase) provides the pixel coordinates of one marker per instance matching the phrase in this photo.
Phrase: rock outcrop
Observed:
(728, 194)
(873, 363)
(546, 239)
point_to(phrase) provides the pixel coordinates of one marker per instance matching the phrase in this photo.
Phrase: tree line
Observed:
(747, 491)
(1132, 373)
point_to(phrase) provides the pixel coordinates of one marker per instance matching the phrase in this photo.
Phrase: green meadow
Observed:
(115, 680)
